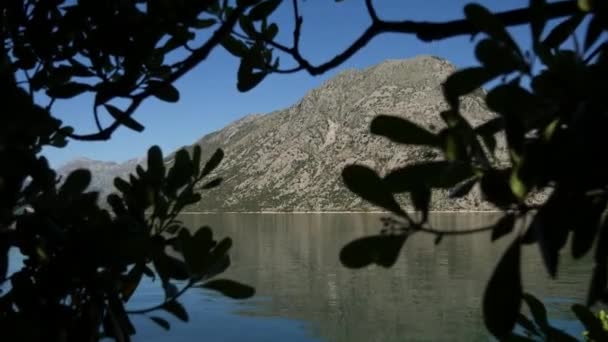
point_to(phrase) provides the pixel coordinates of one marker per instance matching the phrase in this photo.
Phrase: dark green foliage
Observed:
(382, 250)
(502, 298)
(556, 137)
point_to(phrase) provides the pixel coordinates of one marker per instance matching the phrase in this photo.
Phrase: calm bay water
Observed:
(303, 293)
(433, 293)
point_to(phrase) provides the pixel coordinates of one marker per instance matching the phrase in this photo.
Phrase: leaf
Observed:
(496, 188)
(4, 260)
(525, 323)
(485, 21)
(161, 322)
(204, 23)
(68, 90)
(234, 46)
(421, 198)
(503, 227)
(366, 183)
(122, 185)
(434, 174)
(463, 188)
(264, 9)
(538, 310)
(496, 56)
(156, 165)
(76, 182)
(465, 81)
(402, 131)
(594, 31)
(124, 119)
(229, 288)
(131, 282)
(213, 184)
(175, 308)
(503, 294)
(164, 91)
(381, 250)
(195, 249)
(562, 31)
(247, 79)
(213, 162)
(538, 19)
(591, 322)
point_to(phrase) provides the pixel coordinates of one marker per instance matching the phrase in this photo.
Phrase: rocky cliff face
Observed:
(291, 159)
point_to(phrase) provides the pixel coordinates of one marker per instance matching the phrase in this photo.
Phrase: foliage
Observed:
(82, 261)
(551, 107)
(549, 104)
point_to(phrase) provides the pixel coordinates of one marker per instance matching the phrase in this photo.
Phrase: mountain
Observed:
(291, 159)
(103, 172)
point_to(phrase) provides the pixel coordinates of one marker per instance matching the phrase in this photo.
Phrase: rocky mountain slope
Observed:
(291, 159)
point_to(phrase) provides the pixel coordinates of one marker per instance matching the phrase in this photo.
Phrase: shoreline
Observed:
(338, 212)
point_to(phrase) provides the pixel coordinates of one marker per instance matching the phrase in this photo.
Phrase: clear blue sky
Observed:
(210, 100)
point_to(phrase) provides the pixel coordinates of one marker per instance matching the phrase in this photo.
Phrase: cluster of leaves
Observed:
(82, 263)
(552, 109)
(128, 50)
(539, 327)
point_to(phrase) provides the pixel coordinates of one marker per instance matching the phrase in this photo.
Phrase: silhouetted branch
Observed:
(425, 31)
(196, 57)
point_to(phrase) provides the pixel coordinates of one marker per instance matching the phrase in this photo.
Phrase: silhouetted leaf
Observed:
(551, 230)
(599, 278)
(562, 31)
(591, 322)
(213, 162)
(122, 185)
(538, 310)
(366, 183)
(402, 131)
(538, 19)
(594, 30)
(463, 188)
(68, 90)
(204, 23)
(247, 79)
(3, 260)
(131, 282)
(421, 198)
(496, 189)
(503, 227)
(165, 91)
(124, 119)
(229, 288)
(156, 165)
(176, 309)
(502, 297)
(486, 22)
(525, 323)
(76, 182)
(434, 174)
(382, 250)
(498, 57)
(264, 9)
(161, 322)
(234, 46)
(196, 248)
(465, 81)
(212, 184)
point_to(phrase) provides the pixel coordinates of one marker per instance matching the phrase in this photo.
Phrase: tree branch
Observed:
(425, 31)
(195, 58)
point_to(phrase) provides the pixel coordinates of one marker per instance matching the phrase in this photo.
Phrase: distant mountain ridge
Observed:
(291, 159)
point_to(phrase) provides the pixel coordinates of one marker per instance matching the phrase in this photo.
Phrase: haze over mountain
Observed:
(291, 159)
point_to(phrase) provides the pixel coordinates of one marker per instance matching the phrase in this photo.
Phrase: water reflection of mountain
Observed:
(433, 293)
